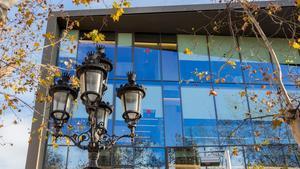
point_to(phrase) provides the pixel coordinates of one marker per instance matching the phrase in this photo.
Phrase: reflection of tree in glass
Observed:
(55, 160)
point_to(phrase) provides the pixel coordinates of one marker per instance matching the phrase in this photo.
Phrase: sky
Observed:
(14, 157)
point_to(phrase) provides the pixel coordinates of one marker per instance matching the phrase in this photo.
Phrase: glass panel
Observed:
(202, 157)
(124, 54)
(233, 115)
(173, 116)
(256, 60)
(267, 156)
(147, 56)
(150, 129)
(264, 104)
(59, 101)
(182, 158)
(289, 59)
(149, 158)
(225, 61)
(56, 158)
(132, 101)
(77, 158)
(292, 155)
(70, 104)
(169, 56)
(93, 84)
(199, 116)
(68, 51)
(193, 58)
(123, 157)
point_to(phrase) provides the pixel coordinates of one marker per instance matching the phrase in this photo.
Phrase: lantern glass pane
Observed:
(94, 84)
(59, 100)
(70, 104)
(102, 117)
(131, 101)
(82, 83)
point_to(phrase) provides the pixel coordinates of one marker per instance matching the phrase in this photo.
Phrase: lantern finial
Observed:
(131, 76)
(100, 49)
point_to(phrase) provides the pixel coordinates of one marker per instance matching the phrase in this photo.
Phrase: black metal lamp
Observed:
(93, 74)
(131, 95)
(64, 96)
(99, 115)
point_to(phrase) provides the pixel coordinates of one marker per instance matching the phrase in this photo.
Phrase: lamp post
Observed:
(93, 75)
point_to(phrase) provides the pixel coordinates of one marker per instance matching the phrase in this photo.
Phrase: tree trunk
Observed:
(295, 123)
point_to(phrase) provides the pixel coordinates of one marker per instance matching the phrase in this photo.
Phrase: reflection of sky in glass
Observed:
(169, 99)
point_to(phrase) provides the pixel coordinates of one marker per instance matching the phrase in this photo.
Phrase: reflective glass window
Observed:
(173, 116)
(267, 156)
(169, 56)
(289, 60)
(199, 117)
(124, 55)
(145, 158)
(264, 104)
(193, 58)
(256, 60)
(123, 157)
(225, 61)
(56, 157)
(147, 56)
(68, 52)
(150, 129)
(233, 115)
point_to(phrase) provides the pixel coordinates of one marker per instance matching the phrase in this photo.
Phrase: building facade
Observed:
(210, 95)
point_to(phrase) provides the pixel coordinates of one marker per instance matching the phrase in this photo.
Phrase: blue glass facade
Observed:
(182, 119)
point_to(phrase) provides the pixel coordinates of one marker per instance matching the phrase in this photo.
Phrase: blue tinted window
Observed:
(172, 112)
(194, 66)
(199, 119)
(169, 65)
(124, 55)
(225, 62)
(150, 129)
(147, 63)
(234, 124)
(264, 104)
(256, 60)
(147, 57)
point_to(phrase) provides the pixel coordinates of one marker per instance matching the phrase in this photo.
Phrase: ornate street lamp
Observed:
(63, 95)
(93, 75)
(131, 95)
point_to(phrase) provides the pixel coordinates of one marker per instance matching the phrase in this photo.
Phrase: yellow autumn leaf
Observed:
(34, 120)
(231, 63)
(54, 145)
(298, 3)
(36, 44)
(235, 151)
(296, 45)
(68, 141)
(95, 35)
(187, 51)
